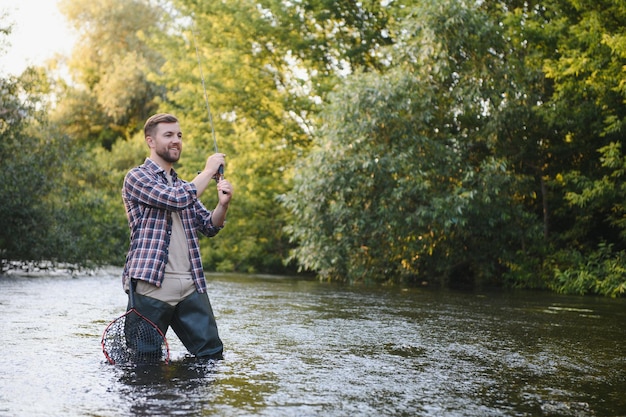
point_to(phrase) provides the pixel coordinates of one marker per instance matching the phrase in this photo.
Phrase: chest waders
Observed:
(191, 319)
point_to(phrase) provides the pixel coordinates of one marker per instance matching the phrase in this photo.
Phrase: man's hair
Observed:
(150, 127)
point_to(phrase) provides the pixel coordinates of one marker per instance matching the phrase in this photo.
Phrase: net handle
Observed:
(131, 293)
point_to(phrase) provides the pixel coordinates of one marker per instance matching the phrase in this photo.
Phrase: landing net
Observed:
(133, 339)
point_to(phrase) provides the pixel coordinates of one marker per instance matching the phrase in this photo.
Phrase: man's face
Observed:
(167, 142)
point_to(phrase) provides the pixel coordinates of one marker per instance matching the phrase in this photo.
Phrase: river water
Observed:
(297, 347)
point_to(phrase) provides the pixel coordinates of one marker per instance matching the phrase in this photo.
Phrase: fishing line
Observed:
(206, 96)
(220, 172)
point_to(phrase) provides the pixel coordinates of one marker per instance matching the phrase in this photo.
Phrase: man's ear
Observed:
(150, 142)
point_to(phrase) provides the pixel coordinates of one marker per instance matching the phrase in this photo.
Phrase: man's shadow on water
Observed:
(183, 385)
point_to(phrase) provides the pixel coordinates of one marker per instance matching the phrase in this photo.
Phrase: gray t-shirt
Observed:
(178, 253)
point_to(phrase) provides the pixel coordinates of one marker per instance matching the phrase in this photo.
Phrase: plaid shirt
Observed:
(149, 202)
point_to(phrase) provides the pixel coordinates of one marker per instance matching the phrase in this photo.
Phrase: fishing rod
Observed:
(220, 173)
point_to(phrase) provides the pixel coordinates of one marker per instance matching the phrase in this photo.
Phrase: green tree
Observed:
(26, 169)
(504, 110)
(40, 220)
(413, 187)
(585, 111)
(111, 95)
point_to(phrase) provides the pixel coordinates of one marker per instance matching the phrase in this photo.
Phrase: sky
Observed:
(39, 32)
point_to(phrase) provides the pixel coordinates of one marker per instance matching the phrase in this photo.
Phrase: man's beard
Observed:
(168, 157)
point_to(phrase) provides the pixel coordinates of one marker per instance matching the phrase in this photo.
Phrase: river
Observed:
(296, 347)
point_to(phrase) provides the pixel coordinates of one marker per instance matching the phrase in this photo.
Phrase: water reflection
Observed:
(180, 388)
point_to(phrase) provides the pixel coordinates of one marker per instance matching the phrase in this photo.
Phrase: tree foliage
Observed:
(41, 219)
(446, 141)
(414, 188)
(112, 96)
(501, 99)
(21, 150)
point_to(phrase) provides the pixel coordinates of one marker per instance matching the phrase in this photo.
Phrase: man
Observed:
(163, 262)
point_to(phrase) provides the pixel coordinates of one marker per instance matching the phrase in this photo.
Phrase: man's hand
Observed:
(213, 164)
(225, 192)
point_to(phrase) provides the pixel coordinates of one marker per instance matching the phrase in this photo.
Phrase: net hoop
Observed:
(134, 339)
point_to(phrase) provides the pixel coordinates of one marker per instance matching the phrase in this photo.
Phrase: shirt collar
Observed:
(157, 169)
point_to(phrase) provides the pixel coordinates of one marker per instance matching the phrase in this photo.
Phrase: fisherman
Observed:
(164, 215)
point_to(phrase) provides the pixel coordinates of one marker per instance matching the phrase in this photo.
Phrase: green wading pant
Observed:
(192, 320)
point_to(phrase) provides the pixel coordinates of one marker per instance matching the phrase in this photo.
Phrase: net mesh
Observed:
(133, 339)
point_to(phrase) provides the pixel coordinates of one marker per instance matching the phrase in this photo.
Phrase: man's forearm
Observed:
(219, 215)
(202, 181)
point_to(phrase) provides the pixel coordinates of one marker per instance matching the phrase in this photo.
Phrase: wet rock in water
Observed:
(405, 350)
(566, 409)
